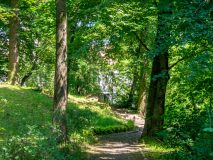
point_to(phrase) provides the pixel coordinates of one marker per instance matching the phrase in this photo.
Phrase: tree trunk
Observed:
(142, 96)
(142, 100)
(33, 68)
(130, 100)
(13, 44)
(60, 87)
(27, 76)
(156, 98)
(159, 75)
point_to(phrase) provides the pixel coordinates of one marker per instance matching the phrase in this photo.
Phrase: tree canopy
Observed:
(152, 56)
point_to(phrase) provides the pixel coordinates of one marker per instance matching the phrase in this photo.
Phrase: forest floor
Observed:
(120, 146)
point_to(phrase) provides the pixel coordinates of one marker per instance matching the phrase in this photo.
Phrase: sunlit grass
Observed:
(102, 109)
(154, 148)
(91, 115)
(26, 117)
(21, 108)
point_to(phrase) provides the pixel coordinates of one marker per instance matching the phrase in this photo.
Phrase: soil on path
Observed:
(120, 146)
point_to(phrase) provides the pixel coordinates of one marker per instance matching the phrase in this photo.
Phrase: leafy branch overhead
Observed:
(66, 67)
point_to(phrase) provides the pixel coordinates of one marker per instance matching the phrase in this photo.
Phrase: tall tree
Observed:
(171, 30)
(144, 73)
(60, 87)
(13, 44)
(159, 75)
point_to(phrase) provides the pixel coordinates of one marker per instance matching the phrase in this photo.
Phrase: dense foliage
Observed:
(111, 48)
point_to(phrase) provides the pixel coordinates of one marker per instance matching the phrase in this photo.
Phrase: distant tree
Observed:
(13, 44)
(60, 87)
(37, 42)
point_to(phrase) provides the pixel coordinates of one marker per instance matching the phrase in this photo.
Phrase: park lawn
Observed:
(24, 112)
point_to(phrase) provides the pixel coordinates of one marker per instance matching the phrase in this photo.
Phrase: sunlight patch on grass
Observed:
(154, 148)
(101, 108)
(22, 107)
(26, 122)
(8, 86)
(91, 116)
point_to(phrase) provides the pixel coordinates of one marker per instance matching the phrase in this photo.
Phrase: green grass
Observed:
(25, 113)
(21, 108)
(155, 149)
(86, 116)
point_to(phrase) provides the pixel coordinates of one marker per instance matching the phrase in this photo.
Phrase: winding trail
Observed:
(120, 146)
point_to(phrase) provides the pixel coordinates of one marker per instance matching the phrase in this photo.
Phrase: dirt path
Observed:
(120, 146)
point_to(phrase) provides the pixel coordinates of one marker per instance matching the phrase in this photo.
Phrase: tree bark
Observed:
(156, 98)
(34, 67)
(159, 75)
(142, 96)
(27, 76)
(60, 87)
(13, 44)
(142, 100)
(130, 100)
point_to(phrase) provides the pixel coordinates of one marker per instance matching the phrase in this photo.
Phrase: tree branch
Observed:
(141, 42)
(181, 59)
(155, 3)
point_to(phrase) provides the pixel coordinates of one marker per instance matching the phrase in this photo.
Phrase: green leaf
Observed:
(208, 129)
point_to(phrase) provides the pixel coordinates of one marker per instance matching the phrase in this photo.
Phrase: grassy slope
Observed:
(22, 110)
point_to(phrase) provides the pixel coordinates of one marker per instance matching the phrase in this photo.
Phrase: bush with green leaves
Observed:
(189, 116)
